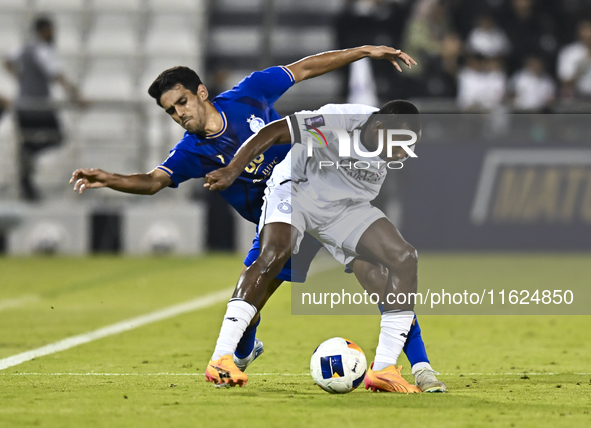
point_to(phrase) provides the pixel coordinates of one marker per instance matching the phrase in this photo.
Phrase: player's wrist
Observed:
(366, 50)
(110, 179)
(234, 170)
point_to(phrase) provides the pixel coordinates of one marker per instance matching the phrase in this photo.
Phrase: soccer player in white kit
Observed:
(321, 192)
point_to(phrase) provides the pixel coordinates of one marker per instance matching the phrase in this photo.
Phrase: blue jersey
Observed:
(245, 109)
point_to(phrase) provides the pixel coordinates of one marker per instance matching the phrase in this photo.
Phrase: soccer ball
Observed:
(338, 365)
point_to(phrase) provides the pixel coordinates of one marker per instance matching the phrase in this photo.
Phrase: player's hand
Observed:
(392, 55)
(221, 179)
(4, 103)
(83, 103)
(89, 179)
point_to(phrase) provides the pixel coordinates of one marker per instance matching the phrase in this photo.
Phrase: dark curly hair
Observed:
(168, 79)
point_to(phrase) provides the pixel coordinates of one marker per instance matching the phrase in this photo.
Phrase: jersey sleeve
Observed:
(181, 166)
(269, 84)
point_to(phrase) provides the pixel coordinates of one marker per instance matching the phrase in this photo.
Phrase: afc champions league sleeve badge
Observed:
(284, 207)
(256, 123)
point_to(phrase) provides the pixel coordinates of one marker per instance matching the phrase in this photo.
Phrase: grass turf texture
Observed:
(152, 376)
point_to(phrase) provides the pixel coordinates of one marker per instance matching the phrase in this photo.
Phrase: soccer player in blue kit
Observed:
(214, 131)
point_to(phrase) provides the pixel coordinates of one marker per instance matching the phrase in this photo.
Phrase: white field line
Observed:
(18, 301)
(143, 374)
(130, 324)
(275, 374)
(162, 314)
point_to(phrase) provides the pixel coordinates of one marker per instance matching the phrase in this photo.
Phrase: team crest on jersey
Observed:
(284, 207)
(256, 123)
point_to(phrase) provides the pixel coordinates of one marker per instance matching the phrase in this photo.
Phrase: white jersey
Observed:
(37, 65)
(326, 176)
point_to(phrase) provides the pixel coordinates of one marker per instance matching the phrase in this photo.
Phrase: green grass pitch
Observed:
(502, 371)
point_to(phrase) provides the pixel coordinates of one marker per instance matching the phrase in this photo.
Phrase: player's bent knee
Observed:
(405, 258)
(411, 256)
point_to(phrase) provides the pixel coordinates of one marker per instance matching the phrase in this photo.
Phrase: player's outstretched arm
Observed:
(274, 133)
(139, 184)
(317, 65)
(72, 91)
(11, 67)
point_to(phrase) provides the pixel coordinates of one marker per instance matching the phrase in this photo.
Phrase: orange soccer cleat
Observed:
(388, 380)
(223, 372)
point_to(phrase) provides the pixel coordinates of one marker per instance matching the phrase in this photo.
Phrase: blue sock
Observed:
(414, 348)
(246, 344)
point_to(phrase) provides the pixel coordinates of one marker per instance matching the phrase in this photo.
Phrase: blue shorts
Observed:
(297, 273)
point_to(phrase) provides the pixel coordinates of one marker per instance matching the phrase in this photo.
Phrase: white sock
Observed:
(238, 316)
(419, 366)
(394, 330)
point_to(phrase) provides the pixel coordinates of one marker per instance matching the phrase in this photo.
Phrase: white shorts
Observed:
(337, 226)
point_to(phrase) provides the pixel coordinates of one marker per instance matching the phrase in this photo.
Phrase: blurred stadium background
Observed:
(491, 57)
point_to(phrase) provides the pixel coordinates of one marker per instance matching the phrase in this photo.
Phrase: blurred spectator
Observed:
(567, 14)
(441, 80)
(488, 39)
(465, 12)
(371, 22)
(574, 64)
(438, 33)
(36, 66)
(424, 35)
(531, 27)
(481, 84)
(531, 88)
